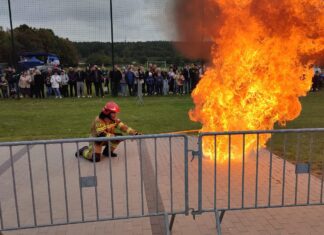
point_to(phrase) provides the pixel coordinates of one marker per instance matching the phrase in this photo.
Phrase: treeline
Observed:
(129, 52)
(28, 39)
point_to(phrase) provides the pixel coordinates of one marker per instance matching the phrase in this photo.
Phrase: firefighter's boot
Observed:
(106, 153)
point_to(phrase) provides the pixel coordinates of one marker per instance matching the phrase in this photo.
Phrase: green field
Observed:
(30, 119)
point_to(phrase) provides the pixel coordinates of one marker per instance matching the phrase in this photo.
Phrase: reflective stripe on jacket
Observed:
(107, 128)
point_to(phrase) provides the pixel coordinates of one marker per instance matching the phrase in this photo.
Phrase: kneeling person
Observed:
(104, 126)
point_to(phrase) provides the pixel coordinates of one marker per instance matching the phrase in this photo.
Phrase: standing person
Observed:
(180, 82)
(141, 77)
(115, 77)
(105, 79)
(24, 84)
(123, 84)
(79, 77)
(165, 85)
(64, 84)
(72, 82)
(194, 76)
(159, 82)
(316, 80)
(171, 75)
(12, 82)
(32, 82)
(4, 87)
(97, 80)
(130, 79)
(88, 81)
(104, 125)
(39, 84)
(150, 84)
(55, 81)
(186, 75)
(48, 83)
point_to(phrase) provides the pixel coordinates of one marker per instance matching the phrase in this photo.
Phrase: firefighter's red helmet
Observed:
(110, 107)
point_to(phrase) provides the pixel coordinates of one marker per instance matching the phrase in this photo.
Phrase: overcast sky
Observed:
(89, 20)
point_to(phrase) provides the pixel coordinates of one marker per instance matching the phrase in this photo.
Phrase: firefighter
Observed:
(104, 126)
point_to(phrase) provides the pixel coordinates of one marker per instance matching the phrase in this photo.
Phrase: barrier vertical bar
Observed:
(310, 166)
(322, 180)
(257, 173)
(215, 169)
(126, 179)
(48, 184)
(96, 185)
(229, 170)
(284, 171)
(270, 174)
(243, 170)
(186, 185)
(111, 182)
(200, 173)
(14, 185)
(79, 172)
(297, 158)
(156, 177)
(65, 190)
(1, 218)
(171, 176)
(141, 171)
(32, 185)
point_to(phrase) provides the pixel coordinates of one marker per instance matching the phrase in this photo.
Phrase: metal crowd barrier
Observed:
(261, 179)
(43, 184)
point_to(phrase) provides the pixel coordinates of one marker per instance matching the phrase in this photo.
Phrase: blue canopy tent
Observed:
(29, 63)
(31, 60)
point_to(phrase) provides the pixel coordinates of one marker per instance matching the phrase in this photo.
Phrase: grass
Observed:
(306, 147)
(30, 119)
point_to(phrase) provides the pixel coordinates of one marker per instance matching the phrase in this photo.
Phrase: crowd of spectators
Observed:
(95, 81)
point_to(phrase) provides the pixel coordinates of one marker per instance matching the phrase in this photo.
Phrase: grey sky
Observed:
(89, 20)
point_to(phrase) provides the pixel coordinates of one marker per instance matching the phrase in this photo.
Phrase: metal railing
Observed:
(43, 184)
(260, 179)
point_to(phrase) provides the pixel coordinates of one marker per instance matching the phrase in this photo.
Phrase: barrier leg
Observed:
(172, 221)
(166, 224)
(219, 218)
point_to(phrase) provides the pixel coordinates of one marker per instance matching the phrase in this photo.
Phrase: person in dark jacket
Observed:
(115, 76)
(194, 76)
(130, 79)
(39, 82)
(96, 76)
(88, 81)
(316, 81)
(13, 80)
(79, 77)
(159, 82)
(72, 82)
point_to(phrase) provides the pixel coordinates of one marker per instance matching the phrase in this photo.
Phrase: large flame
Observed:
(256, 75)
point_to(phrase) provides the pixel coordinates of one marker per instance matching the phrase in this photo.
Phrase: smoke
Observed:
(199, 23)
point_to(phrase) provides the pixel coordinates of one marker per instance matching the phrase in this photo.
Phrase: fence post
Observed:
(200, 173)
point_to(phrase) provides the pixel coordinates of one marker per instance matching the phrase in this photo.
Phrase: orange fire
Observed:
(256, 75)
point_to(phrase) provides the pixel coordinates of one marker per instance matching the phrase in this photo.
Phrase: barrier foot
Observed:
(166, 223)
(219, 218)
(172, 221)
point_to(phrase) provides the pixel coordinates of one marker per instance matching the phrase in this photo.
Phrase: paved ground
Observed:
(147, 189)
